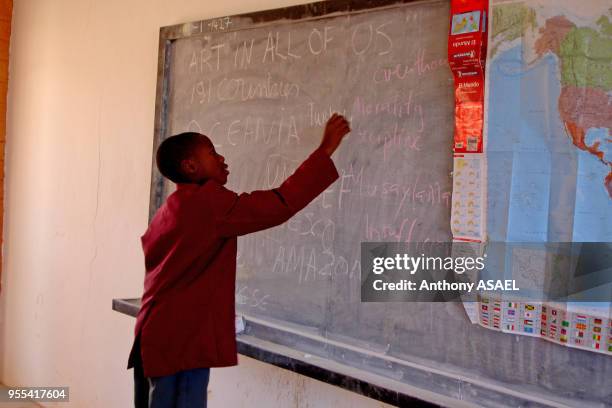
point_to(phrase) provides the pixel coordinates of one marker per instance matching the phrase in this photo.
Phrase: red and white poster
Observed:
(467, 50)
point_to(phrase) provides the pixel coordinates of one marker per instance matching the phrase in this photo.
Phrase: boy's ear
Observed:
(188, 166)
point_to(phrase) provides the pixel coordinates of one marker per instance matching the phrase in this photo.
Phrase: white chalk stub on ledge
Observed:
(239, 324)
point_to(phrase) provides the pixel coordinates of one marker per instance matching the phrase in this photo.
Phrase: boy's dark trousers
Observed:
(185, 389)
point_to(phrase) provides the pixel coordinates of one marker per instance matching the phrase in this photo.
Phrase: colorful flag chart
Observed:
(565, 324)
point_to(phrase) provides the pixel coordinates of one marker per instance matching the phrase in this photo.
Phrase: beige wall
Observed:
(79, 130)
(6, 13)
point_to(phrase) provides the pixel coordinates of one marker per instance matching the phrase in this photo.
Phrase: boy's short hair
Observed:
(172, 151)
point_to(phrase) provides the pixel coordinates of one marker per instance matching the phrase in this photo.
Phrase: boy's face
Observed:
(205, 164)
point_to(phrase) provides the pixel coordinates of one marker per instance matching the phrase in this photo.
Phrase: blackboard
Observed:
(261, 86)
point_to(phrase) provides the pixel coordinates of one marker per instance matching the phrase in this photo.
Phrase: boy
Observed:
(186, 322)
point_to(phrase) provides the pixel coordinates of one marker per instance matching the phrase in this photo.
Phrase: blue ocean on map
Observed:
(541, 188)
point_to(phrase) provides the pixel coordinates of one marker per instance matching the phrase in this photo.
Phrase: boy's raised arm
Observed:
(244, 213)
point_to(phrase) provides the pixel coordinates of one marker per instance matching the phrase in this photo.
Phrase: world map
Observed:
(548, 150)
(549, 108)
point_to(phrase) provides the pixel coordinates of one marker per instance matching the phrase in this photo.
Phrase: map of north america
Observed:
(550, 81)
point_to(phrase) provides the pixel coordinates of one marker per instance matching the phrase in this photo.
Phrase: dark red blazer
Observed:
(187, 317)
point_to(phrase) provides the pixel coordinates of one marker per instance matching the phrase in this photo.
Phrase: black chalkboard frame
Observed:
(169, 34)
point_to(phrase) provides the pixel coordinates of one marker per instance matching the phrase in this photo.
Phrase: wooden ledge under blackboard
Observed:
(257, 342)
(349, 378)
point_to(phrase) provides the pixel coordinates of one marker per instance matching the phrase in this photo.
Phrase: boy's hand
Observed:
(335, 130)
